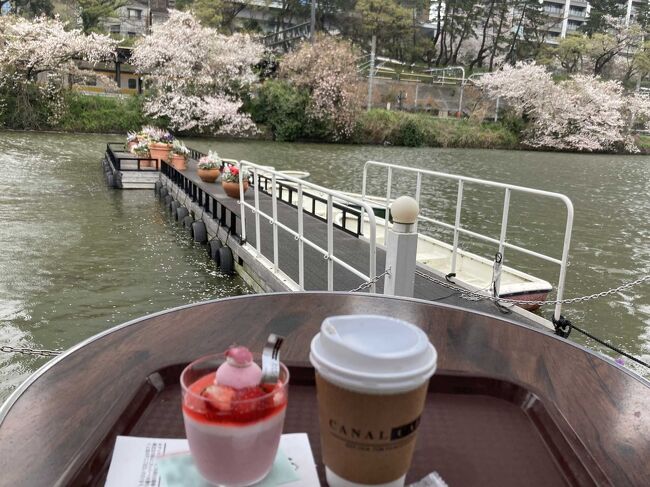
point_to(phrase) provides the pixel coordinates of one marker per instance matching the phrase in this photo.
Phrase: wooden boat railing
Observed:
(509, 405)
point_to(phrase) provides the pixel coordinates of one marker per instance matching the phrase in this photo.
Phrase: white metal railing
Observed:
(458, 230)
(330, 197)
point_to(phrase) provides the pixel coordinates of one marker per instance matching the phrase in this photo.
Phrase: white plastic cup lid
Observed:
(373, 354)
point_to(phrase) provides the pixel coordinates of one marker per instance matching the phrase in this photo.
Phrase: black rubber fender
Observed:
(157, 187)
(173, 207)
(110, 180)
(163, 193)
(226, 261)
(181, 213)
(168, 206)
(187, 222)
(167, 200)
(199, 232)
(213, 249)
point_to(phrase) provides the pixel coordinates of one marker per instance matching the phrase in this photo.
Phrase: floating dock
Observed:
(221, 215)
(125, 170)
(296, 248)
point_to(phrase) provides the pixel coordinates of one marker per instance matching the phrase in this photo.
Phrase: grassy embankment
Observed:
(102, 114)
(414, 130)
(118, 115)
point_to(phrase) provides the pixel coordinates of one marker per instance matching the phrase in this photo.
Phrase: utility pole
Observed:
(312, 26)
(371, 74)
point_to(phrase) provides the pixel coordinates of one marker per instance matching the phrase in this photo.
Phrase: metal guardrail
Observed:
(458, 230)
(195, 154)
(117, 162)
(329, 196)
(209, 204)
(288, 193)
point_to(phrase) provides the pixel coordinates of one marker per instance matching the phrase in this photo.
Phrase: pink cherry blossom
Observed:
(327, 69)
(195, 75)
(583, 113)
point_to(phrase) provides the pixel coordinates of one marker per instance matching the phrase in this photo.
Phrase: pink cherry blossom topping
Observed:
(239, 356)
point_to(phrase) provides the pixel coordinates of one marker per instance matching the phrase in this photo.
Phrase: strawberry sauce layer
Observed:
(225, 406)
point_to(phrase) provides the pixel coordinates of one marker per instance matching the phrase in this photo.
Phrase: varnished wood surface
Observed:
(66, 413)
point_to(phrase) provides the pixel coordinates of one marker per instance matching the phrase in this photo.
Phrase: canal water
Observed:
(77, 258)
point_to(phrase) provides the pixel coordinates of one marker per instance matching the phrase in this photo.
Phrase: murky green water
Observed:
(77, 258)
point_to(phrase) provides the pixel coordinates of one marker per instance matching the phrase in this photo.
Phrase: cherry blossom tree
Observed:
(42, 46)
(327, 69)
(30, 47)
(196, 75)
(584, 113)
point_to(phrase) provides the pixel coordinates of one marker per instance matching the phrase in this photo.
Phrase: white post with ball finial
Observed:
(401, 248)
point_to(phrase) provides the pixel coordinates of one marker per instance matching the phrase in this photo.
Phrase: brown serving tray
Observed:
(474, 431)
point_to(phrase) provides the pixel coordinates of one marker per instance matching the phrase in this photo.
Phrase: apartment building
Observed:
(571, 14)
(137, 16)
(631, 8)
(566, 16)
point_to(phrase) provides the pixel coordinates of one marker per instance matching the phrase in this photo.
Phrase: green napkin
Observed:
(180, 471)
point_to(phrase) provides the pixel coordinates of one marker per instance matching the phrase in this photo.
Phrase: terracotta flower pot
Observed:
(159, 152)
(209, 175)
(232, 189)
(179, 162)
(144, 160)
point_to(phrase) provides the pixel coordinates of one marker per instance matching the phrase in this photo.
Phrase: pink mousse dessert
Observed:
(232, 421)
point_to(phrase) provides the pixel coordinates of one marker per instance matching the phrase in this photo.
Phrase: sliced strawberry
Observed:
(194, 403)
(247, 406)
(219, 397)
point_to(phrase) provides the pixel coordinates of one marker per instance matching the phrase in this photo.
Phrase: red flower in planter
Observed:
(234, 171)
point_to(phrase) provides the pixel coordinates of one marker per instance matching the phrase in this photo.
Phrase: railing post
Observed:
(242, 207)
(401, 248)
(502, 241)
(459, 206)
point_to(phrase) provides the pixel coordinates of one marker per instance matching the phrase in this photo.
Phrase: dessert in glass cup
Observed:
(233, 421)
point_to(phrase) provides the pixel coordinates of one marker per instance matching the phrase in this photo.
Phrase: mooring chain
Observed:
(372, 281)
(475, 296)
(29, 351)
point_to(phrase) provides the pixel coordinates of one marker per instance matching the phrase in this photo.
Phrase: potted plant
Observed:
(209, 167)
(179, 155)
(230, 181)
(160, 145)
(141, 149)
(131, 141)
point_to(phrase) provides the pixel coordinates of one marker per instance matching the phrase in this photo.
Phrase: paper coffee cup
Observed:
(372, 374)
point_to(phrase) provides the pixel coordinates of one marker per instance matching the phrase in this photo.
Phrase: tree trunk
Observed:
(495, 45)
(480, 54)
(510, 56)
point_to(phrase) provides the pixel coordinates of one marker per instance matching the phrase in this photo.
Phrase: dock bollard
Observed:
(401, 248)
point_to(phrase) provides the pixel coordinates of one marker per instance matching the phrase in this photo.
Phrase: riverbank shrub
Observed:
(409, 129)
(326, 70)
(281, 107)
(90, 113)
